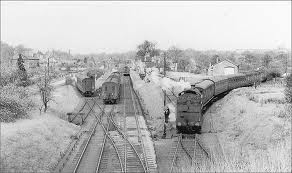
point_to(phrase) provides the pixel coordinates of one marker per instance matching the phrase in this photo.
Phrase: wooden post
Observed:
(69, 118)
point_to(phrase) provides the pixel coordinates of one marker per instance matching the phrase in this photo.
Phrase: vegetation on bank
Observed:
(288, 89)
(257, 137)
(15, 102)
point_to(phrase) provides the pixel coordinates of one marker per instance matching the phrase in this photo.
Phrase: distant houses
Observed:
(224, 67)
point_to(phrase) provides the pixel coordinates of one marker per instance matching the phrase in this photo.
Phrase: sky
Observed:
(119, 26)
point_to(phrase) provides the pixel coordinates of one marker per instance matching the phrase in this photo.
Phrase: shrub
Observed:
(272, 73)
(14, 103)
(8, 75)
(288, 89)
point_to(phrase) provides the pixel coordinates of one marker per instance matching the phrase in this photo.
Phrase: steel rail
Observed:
(113, 144)
(87, 142)
(139, 130)
(181, 142)
(102, 149)
(85, 103)
(80, 110)
(175, 153)
(126, 138)
(199, 144)
(125, 124)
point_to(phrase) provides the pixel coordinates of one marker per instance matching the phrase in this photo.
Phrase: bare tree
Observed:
(183, 63)
(174, 53)
(45, 88)
(266, 60)
(146, 48)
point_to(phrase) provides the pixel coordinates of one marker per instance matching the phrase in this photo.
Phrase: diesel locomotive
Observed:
(191, 102)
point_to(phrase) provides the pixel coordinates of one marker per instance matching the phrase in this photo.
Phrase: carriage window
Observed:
(113, 88)
(105, 88)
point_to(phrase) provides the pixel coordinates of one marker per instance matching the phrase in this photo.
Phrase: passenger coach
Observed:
(111, 88)
(85, 84)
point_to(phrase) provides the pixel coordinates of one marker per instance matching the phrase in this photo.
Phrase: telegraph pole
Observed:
(164, 98)
(164, 66)
(0, 68)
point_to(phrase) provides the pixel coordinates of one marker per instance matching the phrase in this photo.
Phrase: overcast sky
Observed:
(87, 27)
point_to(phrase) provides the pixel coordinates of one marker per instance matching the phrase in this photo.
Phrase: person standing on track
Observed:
(166, 114)
(166, 117)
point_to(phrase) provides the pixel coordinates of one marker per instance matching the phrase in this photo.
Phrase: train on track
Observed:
(126, 71)
(191, 102)
(86, 83)
(111, 88)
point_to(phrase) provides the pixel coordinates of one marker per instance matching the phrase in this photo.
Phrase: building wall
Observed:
(219, 69)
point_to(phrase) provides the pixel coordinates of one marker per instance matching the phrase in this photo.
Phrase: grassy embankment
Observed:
(254, 127)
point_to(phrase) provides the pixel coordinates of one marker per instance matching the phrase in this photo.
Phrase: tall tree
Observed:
(183, 62)
(266, 60)
(85, 60)
(174, 53)
(215, 58)
(21, 69)
(146, 48)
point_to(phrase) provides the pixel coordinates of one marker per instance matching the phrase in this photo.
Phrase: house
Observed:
(224, 67)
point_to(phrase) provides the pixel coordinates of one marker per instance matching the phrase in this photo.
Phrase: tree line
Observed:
(198, 61)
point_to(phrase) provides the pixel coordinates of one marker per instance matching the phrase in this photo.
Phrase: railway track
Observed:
(92, 151)
(187, 148)
(87, 157)
(84, 103)
(108, 147)
(127, 139)
(137, 152)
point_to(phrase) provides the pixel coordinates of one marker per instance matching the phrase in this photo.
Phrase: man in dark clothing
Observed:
(166, 117)
(166, 114)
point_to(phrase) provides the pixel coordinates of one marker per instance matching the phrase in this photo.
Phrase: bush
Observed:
(272, 73)
(14, 103)
(8, 76)
(288, 89)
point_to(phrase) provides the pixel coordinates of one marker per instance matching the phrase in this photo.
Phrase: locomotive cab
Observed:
(189, 106)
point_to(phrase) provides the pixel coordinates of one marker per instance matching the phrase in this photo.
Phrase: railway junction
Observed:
(114, 137)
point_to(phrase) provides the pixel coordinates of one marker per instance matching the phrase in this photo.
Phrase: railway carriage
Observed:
(191, 102)
(126, 71)
(85, 84)
(235, 81)
(221, 84)
(111, 88)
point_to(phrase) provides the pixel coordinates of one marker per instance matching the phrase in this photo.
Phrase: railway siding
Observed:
(137, 129)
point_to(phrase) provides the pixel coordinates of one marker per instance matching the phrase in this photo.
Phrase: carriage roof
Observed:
(113, 78)
(204, 84)
(81, 76)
